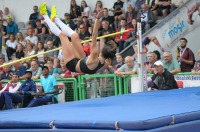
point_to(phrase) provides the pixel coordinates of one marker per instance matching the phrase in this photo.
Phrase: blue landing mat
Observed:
(153, 111)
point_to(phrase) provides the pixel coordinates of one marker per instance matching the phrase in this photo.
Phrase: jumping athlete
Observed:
(73, 51)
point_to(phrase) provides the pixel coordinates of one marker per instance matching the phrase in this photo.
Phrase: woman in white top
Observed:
(20, 38)
(11, 46)
(30, 50)
(85, 9)
(40, 49)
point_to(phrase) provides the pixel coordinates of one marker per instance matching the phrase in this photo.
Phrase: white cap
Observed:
(158, 63)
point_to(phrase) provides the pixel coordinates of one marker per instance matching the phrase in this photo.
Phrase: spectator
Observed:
(54, 38)
(41, 31)
(119, 59)
(83, 32)
(12, 26)
(19, 51)
(86, 47)
(186, 57)
(120, 38)
(19, 69)
(35, 70)
(20, 38)
(67, 20)
(6, 14)
(24, 93)
(30, 51)
(147, 18)
(31, 38)
(162, 8)
(157, 54)
(2, 60)
(26, 64)
(49, 87)
(75, 10)
(133, 33)
(40, 49)
(162, 79)
(52, 70)
(108, 18)
(196, 67)
(11, 46)
(63, 69)
(34, 16)
(6, 75)
(106, 29)
(171, 64)
(151, 60)
(128, 68)
(128, 2)
(2, 33)
(51, 55)
(99, 6)
(85, 10)
(130, 14)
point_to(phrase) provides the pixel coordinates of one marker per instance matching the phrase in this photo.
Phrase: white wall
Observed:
(22, 9)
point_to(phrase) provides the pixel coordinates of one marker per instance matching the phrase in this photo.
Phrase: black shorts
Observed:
(71, 65)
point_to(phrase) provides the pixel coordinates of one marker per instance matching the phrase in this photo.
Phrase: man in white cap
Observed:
(162, 79)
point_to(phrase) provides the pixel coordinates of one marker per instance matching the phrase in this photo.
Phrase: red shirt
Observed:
(86, 49)
(123, 36)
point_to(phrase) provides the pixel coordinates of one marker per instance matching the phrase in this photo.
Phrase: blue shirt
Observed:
(21, 71)
(28, 87)
(12, 28)
(53, 71)
(48, 84)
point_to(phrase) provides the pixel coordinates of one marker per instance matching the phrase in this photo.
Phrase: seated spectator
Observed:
(41, 31)
(51, 55)
(196, 67)
(85, 10)
(83, 33)
(162, 8)
(34, 16)
(67, 20)
(186, 57)
(86, 47)
(63, 69)
(35, 70)
(19, 51)
(54, 38)
(162, 79)
(130, 14)
(75, 10)
(40, 49)
(120, 38)
(19, 69)
(20, 38)
(12, 26)
(29, 50)
(49, 87)
(171, 64)
(26, 64)
(11, 46)
(51, 69)
(24, 92)
(106, 29)
(108, 18)
(99, 6)
(151, 60)
(128, 68)
(126, 3)
(147, 18)
(86, 22)
(119, 60)
(6, 75)
(31, 38)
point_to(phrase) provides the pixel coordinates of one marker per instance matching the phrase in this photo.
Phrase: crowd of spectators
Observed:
(38, 38)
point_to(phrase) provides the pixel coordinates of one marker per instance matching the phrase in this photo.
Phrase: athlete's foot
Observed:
(43, 9)
(53, 13)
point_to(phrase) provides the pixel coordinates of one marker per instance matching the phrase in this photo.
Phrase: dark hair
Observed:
(109, 50)
(184, 39)
(38, 20)
(106, 9)
(158, 54)
(45, 67)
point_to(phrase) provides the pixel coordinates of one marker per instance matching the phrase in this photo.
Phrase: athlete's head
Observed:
(109, 50)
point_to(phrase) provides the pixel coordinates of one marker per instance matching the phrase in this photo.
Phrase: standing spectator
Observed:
(119, 60)
(85, 10)
(41, 31)
(171, 64)
(162, 8)
(163, 79)
(19, 69)
(11, 46)
(128, 68)
(20, 38)
(31, 38)
(49, 87)
(151, 60)
(99, 6)
(19, 51)
(120, 38)
(196, 67)
(75, 10)
(186, 57)
(34, 16)
(35, 70)
(67, 20)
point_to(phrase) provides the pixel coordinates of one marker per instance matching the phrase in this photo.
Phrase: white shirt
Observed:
(32, 39)
(178, 2)
(60, 54)
(11, 44)
(11, 89)
(144, 17)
